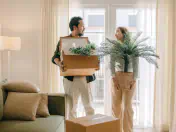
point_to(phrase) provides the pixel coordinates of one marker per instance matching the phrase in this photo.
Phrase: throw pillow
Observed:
(23, 87)
(21, 106)
(42, 110)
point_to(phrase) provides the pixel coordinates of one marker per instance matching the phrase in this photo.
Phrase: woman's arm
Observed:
(136, 67)
(112, 66)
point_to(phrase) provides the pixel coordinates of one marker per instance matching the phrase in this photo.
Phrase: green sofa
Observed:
(54, 123)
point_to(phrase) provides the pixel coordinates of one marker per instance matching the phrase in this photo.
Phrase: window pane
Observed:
(94, 20)
(132, 21)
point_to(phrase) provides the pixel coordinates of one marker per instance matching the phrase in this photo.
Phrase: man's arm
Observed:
(56, 57)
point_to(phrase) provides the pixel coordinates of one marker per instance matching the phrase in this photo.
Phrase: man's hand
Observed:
(59, 63)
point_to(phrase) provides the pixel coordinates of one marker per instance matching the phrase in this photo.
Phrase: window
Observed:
(101, 22)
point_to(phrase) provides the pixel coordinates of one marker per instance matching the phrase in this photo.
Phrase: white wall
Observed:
(22, 18)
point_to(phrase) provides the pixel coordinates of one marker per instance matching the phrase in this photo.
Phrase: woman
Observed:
(124, 84)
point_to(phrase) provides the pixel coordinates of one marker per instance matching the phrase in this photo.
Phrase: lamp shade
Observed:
(10, 43)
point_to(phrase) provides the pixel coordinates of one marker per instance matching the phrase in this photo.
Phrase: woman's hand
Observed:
(115, 82)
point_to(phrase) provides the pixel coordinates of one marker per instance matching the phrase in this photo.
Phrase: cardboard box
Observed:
(95, 123)
(77, 65)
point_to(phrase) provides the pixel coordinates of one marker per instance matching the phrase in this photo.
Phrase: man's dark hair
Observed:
(74, 22)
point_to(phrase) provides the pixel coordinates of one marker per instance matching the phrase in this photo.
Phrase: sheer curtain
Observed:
(164, 111)
(143, 100)
(54, 24)
(0, 60)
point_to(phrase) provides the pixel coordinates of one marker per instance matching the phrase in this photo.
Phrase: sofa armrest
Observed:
(56, 104)
(4, 94)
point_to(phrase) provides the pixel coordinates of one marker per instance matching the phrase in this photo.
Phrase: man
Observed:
(75, 86)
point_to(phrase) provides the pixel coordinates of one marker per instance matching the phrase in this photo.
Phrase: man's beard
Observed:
(80, 34)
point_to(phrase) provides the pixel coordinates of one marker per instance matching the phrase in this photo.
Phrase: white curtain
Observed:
(54, 24)
(0, 59)
(164, 96)
(143, 100)
(108, 88)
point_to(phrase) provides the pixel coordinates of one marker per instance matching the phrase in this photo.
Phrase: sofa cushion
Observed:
(53, 123)
(21, 86)
(42, 110)
(1, 102)
(21, 106)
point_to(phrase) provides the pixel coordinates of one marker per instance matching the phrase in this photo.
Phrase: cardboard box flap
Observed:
(72, 42)
(77, 120)
(93, 120)
(98, 120)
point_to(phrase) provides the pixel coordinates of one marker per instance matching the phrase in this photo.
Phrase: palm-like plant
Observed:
(131, 47)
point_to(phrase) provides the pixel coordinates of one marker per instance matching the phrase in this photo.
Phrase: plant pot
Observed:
(124, 80)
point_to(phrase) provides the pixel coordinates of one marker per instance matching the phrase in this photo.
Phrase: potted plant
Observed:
(88, 50)
(128, 50)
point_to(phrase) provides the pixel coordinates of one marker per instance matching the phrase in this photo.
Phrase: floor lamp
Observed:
(9, 44)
